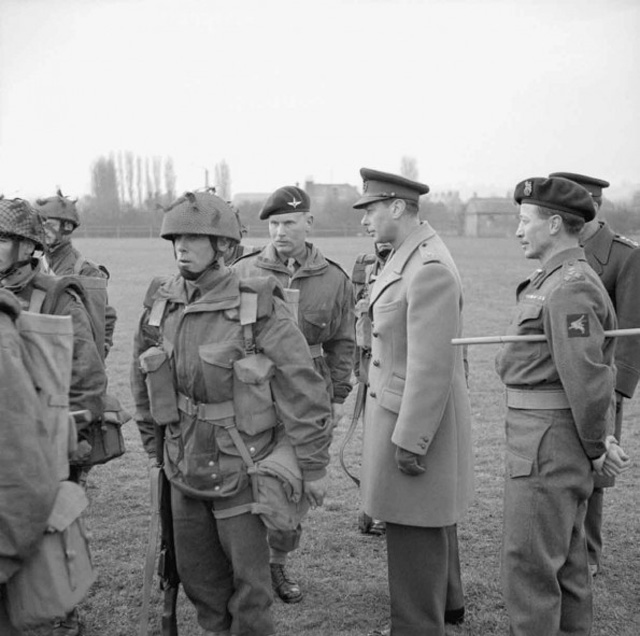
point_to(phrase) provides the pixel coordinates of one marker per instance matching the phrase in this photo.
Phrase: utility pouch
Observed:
(154, 363)
(252, 399)
(58, 576)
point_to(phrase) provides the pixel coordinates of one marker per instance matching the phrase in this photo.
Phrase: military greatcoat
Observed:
(417, 395)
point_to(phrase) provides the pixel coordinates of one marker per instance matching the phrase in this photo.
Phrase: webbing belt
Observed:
(537, 400)
(205, 411)
(316, 350)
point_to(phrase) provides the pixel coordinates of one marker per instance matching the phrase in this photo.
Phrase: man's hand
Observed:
(408, 462)
(337, 411)
(315, 491)
(616, 461)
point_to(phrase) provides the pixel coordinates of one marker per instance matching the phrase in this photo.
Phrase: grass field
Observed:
(343, 573)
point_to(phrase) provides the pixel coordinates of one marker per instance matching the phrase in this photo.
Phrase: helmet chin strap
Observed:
(17, 263)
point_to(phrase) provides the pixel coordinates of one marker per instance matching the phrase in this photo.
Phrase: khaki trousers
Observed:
(545, 575)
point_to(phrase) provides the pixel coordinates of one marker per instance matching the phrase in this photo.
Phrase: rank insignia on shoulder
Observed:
(578, 325)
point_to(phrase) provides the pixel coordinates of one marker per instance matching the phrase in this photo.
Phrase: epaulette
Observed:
(337, 265)
(625, 240)
(266, 288)
(427, 255)
(255, 251)
(570, 272)
(154, 286)
(359, 273)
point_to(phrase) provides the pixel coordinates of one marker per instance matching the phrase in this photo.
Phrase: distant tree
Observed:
(139, 181)
(129, 167)
(120, 172)
(409, 167)
(169, 179)
(156, 164)
(149, 181)
(223, 180)
(104, 186)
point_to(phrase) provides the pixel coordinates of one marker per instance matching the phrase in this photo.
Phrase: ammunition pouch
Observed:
(252, 399)
(163, 402)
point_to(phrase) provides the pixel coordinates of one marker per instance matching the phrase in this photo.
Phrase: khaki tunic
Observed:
(417, 395)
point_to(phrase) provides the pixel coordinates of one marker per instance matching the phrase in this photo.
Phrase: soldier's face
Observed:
(379, 222)
(12, 251)
(194, 253)
(52, 228)
(289, 231)
(534, 232)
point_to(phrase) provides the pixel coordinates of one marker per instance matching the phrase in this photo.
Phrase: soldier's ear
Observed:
(309, 220)
(397, 207)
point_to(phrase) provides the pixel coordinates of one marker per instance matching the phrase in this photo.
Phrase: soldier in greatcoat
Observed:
(417, 460)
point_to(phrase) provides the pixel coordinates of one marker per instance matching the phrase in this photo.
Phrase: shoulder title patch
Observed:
(578, 325)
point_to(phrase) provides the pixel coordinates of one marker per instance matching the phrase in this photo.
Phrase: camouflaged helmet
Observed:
(19, 220)
(59, 207)
(200, 213)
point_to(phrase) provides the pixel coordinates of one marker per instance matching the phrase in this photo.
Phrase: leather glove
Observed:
(408, 462)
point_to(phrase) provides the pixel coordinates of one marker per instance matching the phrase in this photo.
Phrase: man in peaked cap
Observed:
(417, 464)
(560, 413)
(616, 260)
(326, 316)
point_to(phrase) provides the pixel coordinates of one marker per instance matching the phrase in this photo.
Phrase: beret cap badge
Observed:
(294, 203)
(528, 188)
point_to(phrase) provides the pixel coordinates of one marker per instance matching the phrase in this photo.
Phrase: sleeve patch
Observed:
(578, 325)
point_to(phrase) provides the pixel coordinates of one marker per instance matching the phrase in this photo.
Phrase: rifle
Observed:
(161, 519)
(357, 411)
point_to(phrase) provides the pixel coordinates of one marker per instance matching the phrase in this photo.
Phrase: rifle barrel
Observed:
(613, 333)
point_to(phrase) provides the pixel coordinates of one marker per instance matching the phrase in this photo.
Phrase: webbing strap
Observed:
(157, 312)
(248, 317)
(37, 300)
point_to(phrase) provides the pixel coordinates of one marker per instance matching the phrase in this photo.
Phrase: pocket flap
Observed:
(317, 318)
(518, 466)
(219, 355)
(529, 312)
(152, 359)
(70, 502)
(254, 369)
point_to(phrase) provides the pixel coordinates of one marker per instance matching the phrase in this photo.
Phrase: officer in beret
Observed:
(417, 463)
(616, 260)
(560, 414)
(325, 313)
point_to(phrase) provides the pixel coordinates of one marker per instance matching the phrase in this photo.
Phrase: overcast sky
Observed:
(483, 93)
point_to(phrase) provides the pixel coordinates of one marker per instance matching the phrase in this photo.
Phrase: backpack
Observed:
(58, 573)
(104, 436)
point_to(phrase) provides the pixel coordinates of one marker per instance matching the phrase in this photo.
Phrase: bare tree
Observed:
(129, 163)
(104, 186)
(409, 167)
(169, 179)
(120, 172)
(139, 181)
(156, 164)
(223, 180)
(149, 180)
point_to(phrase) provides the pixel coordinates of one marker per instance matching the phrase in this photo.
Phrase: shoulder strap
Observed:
(37, 300)
(79, 264)
(248, 317)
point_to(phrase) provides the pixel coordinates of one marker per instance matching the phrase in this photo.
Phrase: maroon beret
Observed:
(593, 186)
(378, 186)
(284, 200)
(558, 194)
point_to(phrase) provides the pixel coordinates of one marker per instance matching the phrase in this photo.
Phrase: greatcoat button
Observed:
(372, 394)
(376, 363)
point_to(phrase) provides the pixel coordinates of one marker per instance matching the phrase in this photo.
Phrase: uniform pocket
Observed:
(314, 325)
(253, 402)
(518, 466)
(216, 362)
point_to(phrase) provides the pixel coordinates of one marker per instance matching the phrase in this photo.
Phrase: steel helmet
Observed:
(200, 213)
(19, 220)
(59, 207)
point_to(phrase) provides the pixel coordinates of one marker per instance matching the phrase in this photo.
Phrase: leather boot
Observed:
(285, 587)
